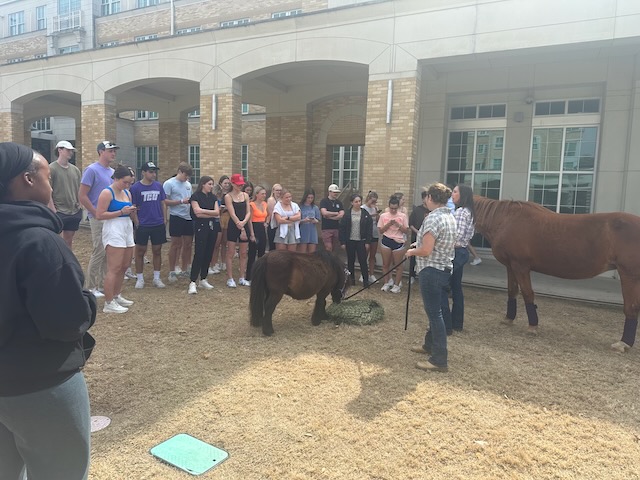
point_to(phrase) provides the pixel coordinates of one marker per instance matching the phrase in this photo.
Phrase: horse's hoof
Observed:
(620, 347)
(507, 321)
(532, 330)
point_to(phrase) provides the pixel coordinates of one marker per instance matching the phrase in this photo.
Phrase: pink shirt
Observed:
(394, 232)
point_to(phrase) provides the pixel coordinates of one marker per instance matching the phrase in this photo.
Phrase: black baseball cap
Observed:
(149, 166)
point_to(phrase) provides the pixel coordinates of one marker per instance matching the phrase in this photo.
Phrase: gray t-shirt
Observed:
(65, 182)
(177, 190)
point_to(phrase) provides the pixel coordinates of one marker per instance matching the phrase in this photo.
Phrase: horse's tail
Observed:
(259, 291)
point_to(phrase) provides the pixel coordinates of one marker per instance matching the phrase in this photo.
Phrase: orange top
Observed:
(257, 215)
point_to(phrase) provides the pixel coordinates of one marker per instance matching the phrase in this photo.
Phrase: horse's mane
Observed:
(489, 211)
(328, 257)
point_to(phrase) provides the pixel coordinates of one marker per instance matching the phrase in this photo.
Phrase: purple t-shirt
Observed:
(148, 199)
(97, 178)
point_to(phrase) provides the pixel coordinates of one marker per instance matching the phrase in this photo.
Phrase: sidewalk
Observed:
(492, 274)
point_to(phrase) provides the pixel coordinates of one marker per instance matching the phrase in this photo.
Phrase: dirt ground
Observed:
(346, 402)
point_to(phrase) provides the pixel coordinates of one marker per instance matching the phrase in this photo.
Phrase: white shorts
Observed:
(118, 232)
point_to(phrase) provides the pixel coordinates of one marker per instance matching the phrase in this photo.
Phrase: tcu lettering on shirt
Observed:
(150, 195)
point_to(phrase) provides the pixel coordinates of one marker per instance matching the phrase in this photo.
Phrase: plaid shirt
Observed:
(441, 224)
(465, 227)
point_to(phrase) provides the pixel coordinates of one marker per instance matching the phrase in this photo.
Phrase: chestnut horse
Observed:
(527, 237)
(299, 275)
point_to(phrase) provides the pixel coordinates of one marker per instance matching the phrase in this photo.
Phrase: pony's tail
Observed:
(258, 291)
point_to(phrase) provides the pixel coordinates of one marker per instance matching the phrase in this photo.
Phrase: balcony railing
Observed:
(69, 21)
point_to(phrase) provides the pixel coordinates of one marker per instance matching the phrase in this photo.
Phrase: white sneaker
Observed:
(231, 283)
(113, 307)
(146, 260)
(123, 302)
(157, 283)
(185, 273)
(178, 270)
(129, 274)
(97, 293)
(140, 283)
(173, 277)
(204, 284)
(224, 267)
(244, 283)
(192, 288)
(215, 270)
(372, 278)
(387, 286)
(211, 272)
(476, 261)
(395, 289)
(361, 279)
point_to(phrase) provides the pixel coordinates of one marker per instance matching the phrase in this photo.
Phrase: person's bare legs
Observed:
(67, 236)
(118, 260)
(187, 250)
(398, 255)
(139, 252)
(174, 251)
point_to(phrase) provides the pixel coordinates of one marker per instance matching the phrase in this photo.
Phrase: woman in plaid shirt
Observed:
(463, 199)
(434, 252)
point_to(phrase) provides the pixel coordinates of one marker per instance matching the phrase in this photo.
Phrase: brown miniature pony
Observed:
(299, 275)
(527, 237)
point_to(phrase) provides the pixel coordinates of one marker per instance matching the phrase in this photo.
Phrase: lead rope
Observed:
(381, 277)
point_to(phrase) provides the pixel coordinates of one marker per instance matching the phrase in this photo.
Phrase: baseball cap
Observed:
(237, 179)
(334, 188)
(106, 145)
(149, 166)
(65, 144)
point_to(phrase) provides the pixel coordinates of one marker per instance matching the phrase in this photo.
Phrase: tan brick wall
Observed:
(12, 127)
(145, 133)
(24, 47)
(220, 148)
(126, 28)
(172, 144)
(254, 135)
(346, 130)
(391, 149)
(286, 153)
(98, 124)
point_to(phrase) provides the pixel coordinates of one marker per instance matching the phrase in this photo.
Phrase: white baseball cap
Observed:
(65, 144)
(334, 188)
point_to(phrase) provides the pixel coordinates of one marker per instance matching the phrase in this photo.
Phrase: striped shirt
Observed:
(441, 224)
(465, 227)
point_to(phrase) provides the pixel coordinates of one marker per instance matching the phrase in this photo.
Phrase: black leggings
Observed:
(205, 240)
(357, 247)
(259, 246)
(271, 233)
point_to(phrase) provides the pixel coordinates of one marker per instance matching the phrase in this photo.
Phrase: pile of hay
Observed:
(356, 312)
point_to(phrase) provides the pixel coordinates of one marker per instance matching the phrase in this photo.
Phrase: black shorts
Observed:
(179, 227)
(70, 223)
(233, 233)
(392, 244)
(157, 234)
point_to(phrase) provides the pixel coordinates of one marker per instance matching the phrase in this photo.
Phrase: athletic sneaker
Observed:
(192, 288)
(476, 261)
(223, 266)
(372, 278)
(129, 274)
(395, 289)
(113, 307)
(244, 283)
(178, 270)
(215, 270)
(97, 293)
(387, 286)
(123, 302)
(140, 283)
(204, 284)
(231, 283)
(156, 283)
(185, 273)
(361, 279)
(146, 260)
(211, 272)
(173, 277)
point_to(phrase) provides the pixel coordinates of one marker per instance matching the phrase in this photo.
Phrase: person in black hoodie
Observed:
(355, 232)
(44, 318)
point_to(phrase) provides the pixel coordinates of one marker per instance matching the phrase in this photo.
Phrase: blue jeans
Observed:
(48, 431)
(433, 285)
(456, 314)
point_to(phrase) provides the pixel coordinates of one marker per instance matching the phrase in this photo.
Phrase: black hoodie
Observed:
(44, 312)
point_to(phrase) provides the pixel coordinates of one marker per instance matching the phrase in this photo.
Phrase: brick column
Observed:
(286, 152)
(391, 148)
(220, 147)
(98, 123)
(12, 127)
(173, 143)
(78, 144)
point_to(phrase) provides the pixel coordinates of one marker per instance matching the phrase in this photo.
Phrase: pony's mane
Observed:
(331, 259)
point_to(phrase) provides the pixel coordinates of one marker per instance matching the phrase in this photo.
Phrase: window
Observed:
(289, 13)
(15, 60)
(194, 114)
(584, 106)
(233, 23)
(41, 18)
(475, 159)
(482, 111)
(146, 115)
(109, 7)
(245, 108)
(109, 44)
(42, 125)
(570, 107)
(244, 161)
(68, 6)
(146, 3)
(69, 49)
(142, 38)
(194, 161)
(185, 31)
(145, 154)
(345, 168)
(562, 168)
(16, 23)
